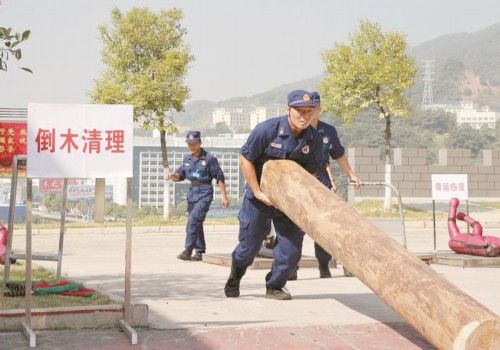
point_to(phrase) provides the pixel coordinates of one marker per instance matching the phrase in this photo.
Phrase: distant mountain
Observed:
(478, 51)
(276, 95)
(467, 65)
(197, 114)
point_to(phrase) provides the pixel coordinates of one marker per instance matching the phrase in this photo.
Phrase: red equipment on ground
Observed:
(474, 243)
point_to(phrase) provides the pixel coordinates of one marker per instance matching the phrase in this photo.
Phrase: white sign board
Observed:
(81, 191)
(447, 186)
(79, 141)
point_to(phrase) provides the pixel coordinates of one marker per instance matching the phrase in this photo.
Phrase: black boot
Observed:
(185, 255)
(324, 271)
(232, 288)
(197, 257)
(278, 293)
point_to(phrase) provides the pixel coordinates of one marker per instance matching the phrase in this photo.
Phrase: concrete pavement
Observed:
(187, 301)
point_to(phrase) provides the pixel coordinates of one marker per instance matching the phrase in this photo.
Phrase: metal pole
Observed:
(467, 204)
(400, 204)
(125, 323)
(27, 297)
(128, 251)
(62, 227)
(10, 224)
(434, 222)
(402, 216)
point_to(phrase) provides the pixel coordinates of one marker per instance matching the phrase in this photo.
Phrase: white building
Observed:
(236, 119)
(259, 114)
(470, 113)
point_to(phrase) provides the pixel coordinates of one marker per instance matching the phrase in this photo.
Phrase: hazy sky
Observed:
(242, 47)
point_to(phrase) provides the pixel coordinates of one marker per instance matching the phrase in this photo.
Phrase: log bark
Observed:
(444, 315)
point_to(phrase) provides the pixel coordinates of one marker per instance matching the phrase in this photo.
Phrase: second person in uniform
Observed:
(200, 168)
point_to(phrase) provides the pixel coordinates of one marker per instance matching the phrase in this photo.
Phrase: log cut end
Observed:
(479, 335)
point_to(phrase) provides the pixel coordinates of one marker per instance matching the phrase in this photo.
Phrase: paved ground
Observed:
(188, 309)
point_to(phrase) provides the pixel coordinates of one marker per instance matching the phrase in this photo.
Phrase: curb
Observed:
(74, 317)
(121, 230)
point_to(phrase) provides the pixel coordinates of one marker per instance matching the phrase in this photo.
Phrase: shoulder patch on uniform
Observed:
(203, 162)
(282, 131)
(325, 140)
(305, 149)
(276, 145)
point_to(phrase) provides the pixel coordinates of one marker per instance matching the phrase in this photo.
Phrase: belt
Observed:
(198, 183)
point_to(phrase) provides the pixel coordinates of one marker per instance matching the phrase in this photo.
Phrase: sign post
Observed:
(80, 141)
(445, 187)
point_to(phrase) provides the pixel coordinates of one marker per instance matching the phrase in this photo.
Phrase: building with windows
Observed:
(259, 114)
(470, 113)
(149, 183)
(236, 119)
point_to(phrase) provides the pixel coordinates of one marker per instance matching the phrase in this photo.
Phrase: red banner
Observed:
(55, 185)
(12, 142)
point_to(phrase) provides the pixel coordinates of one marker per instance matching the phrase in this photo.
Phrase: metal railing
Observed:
(398, 195)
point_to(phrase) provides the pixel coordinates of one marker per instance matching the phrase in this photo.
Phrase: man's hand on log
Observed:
(263, 198)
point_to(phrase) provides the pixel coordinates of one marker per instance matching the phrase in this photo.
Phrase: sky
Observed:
(241, 47)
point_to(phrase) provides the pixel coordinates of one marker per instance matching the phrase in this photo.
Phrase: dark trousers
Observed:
(195, 236)
(321, 254)
(255, 223)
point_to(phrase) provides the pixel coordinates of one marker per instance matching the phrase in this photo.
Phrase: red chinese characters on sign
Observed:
(449, 186)
(12, 142)
(55, 185)
(90, 141)
(45, 140)
(51, 185)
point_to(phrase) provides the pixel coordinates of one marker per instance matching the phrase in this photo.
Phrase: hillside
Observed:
(467, 66)
(478, 51)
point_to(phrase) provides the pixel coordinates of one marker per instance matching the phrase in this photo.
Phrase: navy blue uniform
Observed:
(331, 149)
(200, 171)
(273, 139)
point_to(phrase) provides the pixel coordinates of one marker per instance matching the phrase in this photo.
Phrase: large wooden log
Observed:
(437, 309)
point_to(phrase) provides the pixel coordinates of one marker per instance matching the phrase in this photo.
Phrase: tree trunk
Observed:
(388, 162)
(437, 309)
(166, 170)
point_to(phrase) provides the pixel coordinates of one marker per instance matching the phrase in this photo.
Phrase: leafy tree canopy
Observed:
(371, 71)
(9, 42)
(147, 61)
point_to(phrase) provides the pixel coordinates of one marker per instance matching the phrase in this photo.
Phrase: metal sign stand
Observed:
(28, 332)
(434, 223)
(124, 324)
(127, 316)
(21, 161)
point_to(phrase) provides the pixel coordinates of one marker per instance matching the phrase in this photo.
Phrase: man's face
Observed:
(194, 147)
(300, 117)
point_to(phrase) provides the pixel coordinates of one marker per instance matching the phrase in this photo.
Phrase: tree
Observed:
(147, 61)
(371, 71)
(466, 137)
(8, 46)
(217, 129)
